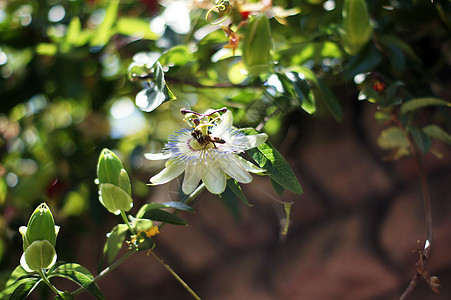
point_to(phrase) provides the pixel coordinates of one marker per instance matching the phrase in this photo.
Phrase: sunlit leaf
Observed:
(417, 103)
(173, 204)
(21, 288)
(104, 31)
(115, 241)
(268, 158)
(78, 274)
(156, 94)
(135, 27)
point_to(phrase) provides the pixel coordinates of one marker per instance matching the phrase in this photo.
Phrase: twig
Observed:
(424, 252)
(107, 270)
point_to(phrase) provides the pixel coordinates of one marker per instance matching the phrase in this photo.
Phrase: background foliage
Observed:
(78, 76)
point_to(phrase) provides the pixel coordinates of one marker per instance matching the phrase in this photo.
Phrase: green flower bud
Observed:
(41, 226)
(257, 45)
(111, 170)
(39, 255)
(114, 198)
(357, 28)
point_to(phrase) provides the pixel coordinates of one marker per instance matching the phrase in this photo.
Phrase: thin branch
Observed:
(425, 251)
(107, 270)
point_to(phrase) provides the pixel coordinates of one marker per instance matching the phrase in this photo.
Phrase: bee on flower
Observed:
(207, 151)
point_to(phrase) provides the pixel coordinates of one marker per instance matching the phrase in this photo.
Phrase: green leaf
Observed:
(230, 201)
(365, 61)
(172, 204)
(423, 141)
(324, 92)
(156, 94)
(17, 274)
(417, 103)
(135, 27)
(275, 165)
(65, 296)
(392, 137)
(397, 58)
(115, 241)
(298, 89)
(437, 133)
(73, 32)
(78, 274)
(356, 24)
(21, 288)
(287, 208)
(178, 56)
(277, 187)
(114, 198)
(235, 188)
(331, 101)
(163, 216)
(104, 31)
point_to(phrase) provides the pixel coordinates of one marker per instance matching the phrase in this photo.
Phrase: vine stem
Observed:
(47, 281)
(124, 217)
(107, 270)
(173, 273)
(127, 255)
(427, 211)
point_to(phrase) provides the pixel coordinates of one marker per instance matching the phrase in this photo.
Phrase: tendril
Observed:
(224, 8)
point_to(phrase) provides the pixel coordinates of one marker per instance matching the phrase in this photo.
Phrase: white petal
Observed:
(255, 140)
(232, 166)
(224, 125)
(250, 167)
(193, 174)
(171, 171)
(156, 156)
(214, 179)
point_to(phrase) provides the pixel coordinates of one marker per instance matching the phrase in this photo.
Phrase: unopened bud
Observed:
(257, 45)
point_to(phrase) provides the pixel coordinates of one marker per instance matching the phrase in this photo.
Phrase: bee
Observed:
(200, 124)
(207, 139)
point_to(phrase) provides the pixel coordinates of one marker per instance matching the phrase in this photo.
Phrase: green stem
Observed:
(107, 270)
(47, 281)
(124, 217)
(195, 296)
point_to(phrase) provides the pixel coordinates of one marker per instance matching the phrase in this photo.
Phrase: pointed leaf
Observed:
(78, 274)
(21, 288)
(277, 187)
(163, 216)
(235, 188)
(171, 204)
(417, 103)
(115, 241)
(273, 162)
(156, 94)
(229, 199)
(331, 101)
(104, 31)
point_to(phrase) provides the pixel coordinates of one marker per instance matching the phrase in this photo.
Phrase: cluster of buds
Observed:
(39, 238)
(115, 188)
